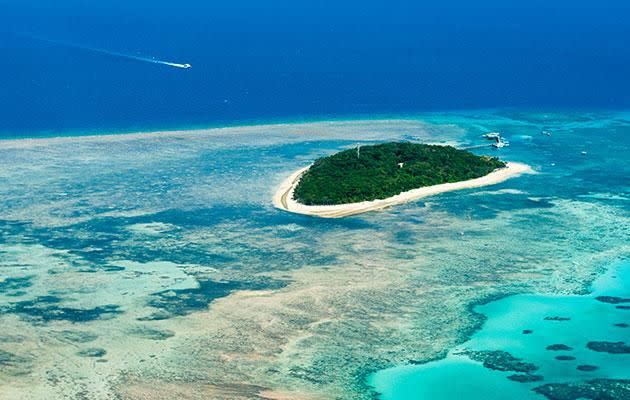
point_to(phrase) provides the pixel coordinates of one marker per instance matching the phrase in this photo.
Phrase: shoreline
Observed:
(283, 198)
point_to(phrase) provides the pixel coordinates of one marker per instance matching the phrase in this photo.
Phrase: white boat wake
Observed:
(113, 53)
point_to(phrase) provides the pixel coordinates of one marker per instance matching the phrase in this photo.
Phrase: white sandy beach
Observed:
(283, 197)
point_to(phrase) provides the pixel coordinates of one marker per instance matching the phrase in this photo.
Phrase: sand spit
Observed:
(283, 198)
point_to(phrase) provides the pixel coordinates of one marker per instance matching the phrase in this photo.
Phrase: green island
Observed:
(384, 170)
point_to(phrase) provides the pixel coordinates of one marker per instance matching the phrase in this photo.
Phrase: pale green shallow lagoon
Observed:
(155, 266)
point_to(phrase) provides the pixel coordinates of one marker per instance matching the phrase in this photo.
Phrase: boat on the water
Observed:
(492, 135)
(500, 143)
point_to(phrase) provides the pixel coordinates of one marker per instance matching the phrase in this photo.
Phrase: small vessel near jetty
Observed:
(492, 135)
(499, 141)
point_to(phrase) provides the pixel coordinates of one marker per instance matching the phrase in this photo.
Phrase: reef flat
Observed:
(155, 266)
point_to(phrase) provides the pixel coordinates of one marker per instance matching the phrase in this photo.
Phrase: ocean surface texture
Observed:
(155, 266)
(282, 60)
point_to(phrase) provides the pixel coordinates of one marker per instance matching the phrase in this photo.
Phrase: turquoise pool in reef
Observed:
(532, 344)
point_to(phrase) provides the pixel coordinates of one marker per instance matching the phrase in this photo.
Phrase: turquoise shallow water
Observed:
(525, 326)
(155, 266)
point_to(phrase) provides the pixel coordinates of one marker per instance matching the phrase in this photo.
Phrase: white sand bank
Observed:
(283, 198)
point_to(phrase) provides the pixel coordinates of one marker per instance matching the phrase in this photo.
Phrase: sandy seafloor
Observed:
(155, 266)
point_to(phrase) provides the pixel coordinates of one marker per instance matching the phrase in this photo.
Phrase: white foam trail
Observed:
(113, 53)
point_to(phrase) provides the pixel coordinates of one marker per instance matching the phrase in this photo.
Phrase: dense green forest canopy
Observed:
(375, 172)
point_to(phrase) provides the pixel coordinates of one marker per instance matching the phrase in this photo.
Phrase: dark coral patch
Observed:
(16, 293)
(184, 301)
(159, 315)
(559, 347)
(151, 333)
(527, 331)
(92, 352)
(596, 389)
(76, 336)
(612, 299)
(565, 358)
(7, 358)
(525, 378)
(557, 318)
(586, 368)
(13, 364)
(9, 284)
(48, 308)
(101, 268)
(609, 347)
(500, 361)
(622, 325)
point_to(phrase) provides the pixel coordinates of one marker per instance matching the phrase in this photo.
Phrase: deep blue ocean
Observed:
(288, 60)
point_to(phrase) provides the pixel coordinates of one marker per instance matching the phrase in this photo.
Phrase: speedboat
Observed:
(186, 66)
